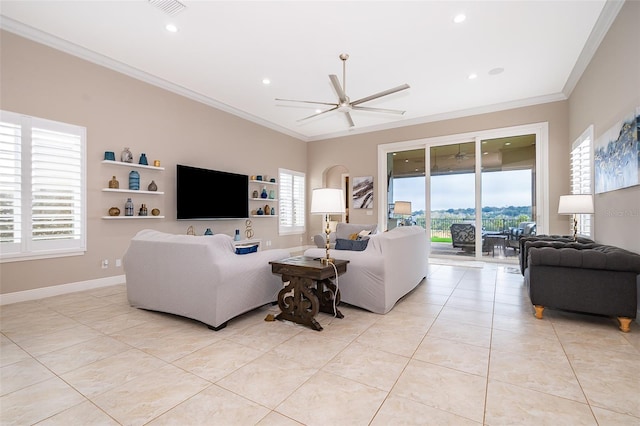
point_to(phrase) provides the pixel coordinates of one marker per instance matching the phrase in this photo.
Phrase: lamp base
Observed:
(326, 260)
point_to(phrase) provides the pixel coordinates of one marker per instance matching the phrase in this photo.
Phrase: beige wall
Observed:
(608, 91)
(120, 111)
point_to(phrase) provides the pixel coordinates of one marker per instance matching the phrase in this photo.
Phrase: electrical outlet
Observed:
(268, 243)
(118, 263)
(105, 263)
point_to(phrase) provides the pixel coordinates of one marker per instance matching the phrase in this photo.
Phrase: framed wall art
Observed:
(363, 192)
(616, 155)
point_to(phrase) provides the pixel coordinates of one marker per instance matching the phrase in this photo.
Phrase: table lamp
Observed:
(327, 201)
(575, 205)
(402, 208)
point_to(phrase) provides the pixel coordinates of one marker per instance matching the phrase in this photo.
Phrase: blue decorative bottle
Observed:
(143, 159)
(264, 194)
(134, 180)
(128, 207)
(237, 236)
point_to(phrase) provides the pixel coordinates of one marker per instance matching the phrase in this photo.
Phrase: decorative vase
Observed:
(126, 156)
(110, 155)
(255, 194)
(128, 207)
(273, 210)
(267, 210)
(155, 212)
(134, 180)
(143, 159)
(272, 194)
(114, 211)
(113, 183)
(208, 232)
(237, 236)
(143, 210)
(152, 186)
(259, 212)
(264, 194)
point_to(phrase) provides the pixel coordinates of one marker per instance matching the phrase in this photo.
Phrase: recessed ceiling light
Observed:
(485, 153)
(459, 18)
(472, 76)
(171, 28)
(496, 71)
(318, 111)
(507, 143)
(395, 153)
(266, 81)
(406, 161)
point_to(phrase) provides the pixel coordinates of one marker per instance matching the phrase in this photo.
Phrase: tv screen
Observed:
(211, 194)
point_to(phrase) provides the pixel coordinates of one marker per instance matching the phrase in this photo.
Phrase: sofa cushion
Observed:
(247, 249)
(353, 245)
(344, 230)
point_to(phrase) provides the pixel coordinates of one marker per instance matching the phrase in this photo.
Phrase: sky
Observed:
(500, 189)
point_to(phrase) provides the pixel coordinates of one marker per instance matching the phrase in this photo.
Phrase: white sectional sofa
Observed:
(392, 264)
(198, 277)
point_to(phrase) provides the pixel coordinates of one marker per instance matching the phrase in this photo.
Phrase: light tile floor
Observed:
(463, 348)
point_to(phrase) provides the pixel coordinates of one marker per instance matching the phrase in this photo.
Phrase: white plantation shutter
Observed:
(10, 187)
(43, 189)
(292, 202)
(581, 175)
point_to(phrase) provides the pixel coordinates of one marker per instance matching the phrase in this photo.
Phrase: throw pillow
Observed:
(353, 245)
(247, 249)
(353, 236)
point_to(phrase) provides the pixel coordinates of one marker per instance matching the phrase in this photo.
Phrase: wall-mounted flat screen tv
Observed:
(211, 194)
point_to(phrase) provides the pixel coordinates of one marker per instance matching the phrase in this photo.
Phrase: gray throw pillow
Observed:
(353, 245)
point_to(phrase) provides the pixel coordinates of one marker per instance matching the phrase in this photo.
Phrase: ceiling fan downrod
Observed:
(343, 58)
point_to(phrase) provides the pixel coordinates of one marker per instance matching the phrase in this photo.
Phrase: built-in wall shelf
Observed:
(132, 191)
(131, 217)
(134, 165)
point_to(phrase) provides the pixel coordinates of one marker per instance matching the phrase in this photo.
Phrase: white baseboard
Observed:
(56, 290)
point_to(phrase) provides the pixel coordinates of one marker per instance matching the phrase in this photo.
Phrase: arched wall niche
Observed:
(338, 177)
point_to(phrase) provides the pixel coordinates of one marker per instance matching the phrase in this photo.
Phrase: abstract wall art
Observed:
(616, 155)
(363, 192)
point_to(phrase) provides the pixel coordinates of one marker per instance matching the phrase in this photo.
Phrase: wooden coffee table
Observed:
(309, 290)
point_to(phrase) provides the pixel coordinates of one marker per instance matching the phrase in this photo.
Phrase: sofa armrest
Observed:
(606, 258)
(320, 240)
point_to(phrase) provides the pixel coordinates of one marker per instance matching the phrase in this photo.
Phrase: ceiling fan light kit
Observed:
(344, 104)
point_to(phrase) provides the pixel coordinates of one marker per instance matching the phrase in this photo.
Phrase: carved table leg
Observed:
(325, 297)
(624, 324)
(302, 306)
(539, 309)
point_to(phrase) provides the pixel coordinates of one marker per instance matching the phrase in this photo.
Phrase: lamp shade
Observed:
(327, 201)
(402, 207)
(576, 204)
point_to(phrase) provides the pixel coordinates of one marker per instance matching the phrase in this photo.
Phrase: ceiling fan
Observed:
(345, 104)
(460, 156)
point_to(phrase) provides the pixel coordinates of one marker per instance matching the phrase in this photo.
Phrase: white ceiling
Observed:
(224, 49)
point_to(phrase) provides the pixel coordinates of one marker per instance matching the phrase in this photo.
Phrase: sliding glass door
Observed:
(476, 194)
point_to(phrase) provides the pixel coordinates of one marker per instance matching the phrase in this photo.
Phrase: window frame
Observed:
(29, 246)
(293, 228)
(581, 177)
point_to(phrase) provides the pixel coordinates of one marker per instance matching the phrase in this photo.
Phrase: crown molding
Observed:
(609, 13)
(46, 39)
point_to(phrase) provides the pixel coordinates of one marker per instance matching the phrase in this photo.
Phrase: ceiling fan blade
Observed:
(381, 94)
(320, 113)
(336, 85)
(306, 102)
(389, 111)
(349, 119)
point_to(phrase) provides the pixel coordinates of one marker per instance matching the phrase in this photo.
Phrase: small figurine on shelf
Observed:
(152, 186)
(143, 159)
(113, 183)
(126, 156)
(128, 207)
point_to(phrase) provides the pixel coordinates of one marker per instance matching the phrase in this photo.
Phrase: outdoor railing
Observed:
(442, 227)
